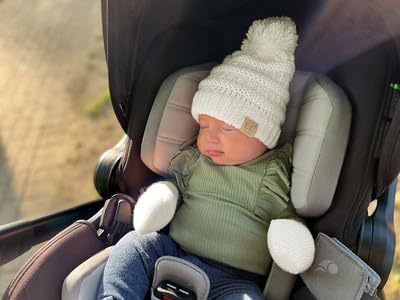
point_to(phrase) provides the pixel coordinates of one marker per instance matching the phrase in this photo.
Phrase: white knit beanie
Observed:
(250, 89)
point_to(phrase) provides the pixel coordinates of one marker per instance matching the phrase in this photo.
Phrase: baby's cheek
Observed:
(201, 149)
(199, 142)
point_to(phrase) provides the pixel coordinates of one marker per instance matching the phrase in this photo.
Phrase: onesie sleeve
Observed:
(181, 163)
(274, 202)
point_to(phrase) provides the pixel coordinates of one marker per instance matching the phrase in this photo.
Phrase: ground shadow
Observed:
(9, 212)
(9, 203)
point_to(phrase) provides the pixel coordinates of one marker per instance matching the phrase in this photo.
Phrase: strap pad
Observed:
(181, 272)
(337, 273)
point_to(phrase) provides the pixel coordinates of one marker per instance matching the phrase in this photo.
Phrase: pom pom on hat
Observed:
(250, 89)
(270, 36)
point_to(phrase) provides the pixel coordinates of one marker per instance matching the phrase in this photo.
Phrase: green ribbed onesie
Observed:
(226, 210)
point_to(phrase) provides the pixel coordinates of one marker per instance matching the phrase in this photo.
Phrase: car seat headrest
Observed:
(318, 121)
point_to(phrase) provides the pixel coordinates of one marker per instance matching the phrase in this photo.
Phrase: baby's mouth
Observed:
(214, 153)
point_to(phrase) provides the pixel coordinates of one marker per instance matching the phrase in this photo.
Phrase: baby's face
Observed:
(225, 144)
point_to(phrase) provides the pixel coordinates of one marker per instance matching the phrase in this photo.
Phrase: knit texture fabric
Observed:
(156, 207)
(291, 245)
(250, 89)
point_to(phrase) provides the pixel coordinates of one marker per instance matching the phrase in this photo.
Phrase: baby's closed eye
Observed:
(228, 128)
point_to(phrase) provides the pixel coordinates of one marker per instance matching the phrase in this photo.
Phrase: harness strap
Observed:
(116, 218)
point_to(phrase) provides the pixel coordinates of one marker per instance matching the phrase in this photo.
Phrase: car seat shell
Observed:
(318, 113)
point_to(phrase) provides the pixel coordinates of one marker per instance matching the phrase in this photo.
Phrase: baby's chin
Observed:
(223, 161)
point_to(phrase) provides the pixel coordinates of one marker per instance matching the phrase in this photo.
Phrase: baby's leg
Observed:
(227, 282)
(129, 270)
(244, 290)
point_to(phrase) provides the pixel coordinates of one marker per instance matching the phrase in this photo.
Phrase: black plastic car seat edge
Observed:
(377, 238)
(107, 170)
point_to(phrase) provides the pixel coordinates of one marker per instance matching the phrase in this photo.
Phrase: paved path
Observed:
(51, 64)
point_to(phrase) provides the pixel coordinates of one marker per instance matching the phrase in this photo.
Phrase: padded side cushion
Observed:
(42, 275)
(170, 122)
(82, 283)
(320, 144)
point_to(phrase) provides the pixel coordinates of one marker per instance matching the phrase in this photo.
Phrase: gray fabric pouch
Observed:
(338, 273)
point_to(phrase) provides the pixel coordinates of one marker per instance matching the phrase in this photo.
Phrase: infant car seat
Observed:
(146, 40)
(318, 118)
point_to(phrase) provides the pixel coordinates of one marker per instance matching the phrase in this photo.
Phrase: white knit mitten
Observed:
(155, 207)
(291, 245)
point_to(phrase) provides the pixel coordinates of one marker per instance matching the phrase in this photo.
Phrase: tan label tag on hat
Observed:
(249, 127)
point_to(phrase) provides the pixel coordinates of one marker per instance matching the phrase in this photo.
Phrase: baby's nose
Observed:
(212, 137)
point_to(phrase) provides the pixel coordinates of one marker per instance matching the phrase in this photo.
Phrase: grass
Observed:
(90, 66)
(98, 106)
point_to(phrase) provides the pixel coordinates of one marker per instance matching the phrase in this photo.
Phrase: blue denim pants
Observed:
(129, 270)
